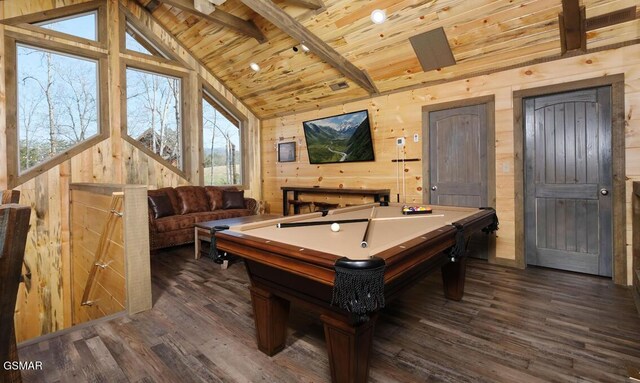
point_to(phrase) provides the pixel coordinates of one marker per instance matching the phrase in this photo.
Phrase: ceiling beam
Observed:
(291, 26)
(219, 17)
(311, 4)
(572, 26)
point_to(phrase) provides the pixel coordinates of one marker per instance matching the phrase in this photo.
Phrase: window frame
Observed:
(172, 66)
(146, 43)
(93, 12)
(184, 171)
(207, 93)
(14, 175)
(28, 22)
(167, 57)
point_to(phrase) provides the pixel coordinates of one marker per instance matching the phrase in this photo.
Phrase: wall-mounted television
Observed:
(341, 138)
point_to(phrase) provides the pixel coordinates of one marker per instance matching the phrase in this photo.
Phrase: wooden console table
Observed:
(378, 194)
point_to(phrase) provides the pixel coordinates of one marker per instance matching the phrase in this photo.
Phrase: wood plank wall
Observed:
(46, 306)
(399, 115)
(635, 244)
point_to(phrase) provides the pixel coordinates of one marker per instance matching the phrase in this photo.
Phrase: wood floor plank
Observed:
(533, 325)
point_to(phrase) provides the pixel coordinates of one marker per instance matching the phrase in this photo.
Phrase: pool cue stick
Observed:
(397, 173)
(364, 243)
(317, 223)
(404, 183)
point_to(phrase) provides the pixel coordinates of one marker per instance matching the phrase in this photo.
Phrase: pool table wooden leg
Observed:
(453, 274)
(271, 313)
(349, 348)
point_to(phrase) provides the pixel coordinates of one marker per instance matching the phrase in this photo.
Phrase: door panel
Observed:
(567, 164)
(458, 162)
(458, 156)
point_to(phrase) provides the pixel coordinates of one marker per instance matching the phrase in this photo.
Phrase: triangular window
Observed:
(137, 42)
(84, 25)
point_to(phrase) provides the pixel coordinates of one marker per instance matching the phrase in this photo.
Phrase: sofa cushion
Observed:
(160, 205)
(233, 199)
(174, 222)
(193, 199)
(169, 192)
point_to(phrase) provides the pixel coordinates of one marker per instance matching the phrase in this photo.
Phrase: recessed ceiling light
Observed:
(304, 47)
(378, 16)
(254, 66)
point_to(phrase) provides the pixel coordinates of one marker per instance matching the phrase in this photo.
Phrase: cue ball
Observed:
(335, 227)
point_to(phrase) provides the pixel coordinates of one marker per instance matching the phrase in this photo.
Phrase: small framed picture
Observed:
(287, 152)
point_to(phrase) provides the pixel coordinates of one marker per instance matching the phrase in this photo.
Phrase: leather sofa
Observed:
(173, 212)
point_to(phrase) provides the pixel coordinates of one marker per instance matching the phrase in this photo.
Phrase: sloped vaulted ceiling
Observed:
(484, 36)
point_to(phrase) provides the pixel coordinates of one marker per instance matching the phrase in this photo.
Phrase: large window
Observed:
(221, 141)
(154, 115)
(56, 88)
(57, 103)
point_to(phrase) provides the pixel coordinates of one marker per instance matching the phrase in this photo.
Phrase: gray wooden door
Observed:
(458, 156)
(458, 162)
(568, 181)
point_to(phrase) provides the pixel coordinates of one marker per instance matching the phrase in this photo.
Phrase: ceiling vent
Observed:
(432, 49)
(611, 18)
(339, 86)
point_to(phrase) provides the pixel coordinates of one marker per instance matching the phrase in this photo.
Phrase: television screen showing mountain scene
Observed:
(341, 138)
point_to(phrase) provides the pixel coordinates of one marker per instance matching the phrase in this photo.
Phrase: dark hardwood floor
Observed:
(533, 325)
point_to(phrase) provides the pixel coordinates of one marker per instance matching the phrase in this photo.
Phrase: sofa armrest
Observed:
(152, 220)
(251, 204)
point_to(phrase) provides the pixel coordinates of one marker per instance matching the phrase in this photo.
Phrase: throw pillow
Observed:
(193, 199)
(233, 199)
(160, 206)
(214, 193)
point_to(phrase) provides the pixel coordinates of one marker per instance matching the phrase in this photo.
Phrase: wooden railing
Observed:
(115, 212)
(109, 250)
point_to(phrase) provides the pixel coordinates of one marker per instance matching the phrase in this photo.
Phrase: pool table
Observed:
(333, 274)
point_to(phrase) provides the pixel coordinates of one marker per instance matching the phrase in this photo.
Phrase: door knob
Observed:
(604, 191)
(434, 188)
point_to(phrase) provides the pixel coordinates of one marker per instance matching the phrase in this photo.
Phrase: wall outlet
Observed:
(400, 141)
(416, 137)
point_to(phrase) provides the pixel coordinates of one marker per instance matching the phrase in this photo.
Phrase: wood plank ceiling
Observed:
(484, 36)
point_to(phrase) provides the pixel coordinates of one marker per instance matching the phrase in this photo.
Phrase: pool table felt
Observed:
(383, 234)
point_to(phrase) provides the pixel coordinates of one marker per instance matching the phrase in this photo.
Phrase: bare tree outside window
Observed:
(153, 113)
(221, 146)
(57, 103)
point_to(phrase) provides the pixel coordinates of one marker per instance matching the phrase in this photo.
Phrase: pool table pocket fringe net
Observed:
(458, 249)
(493, 227)
(359, 286)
